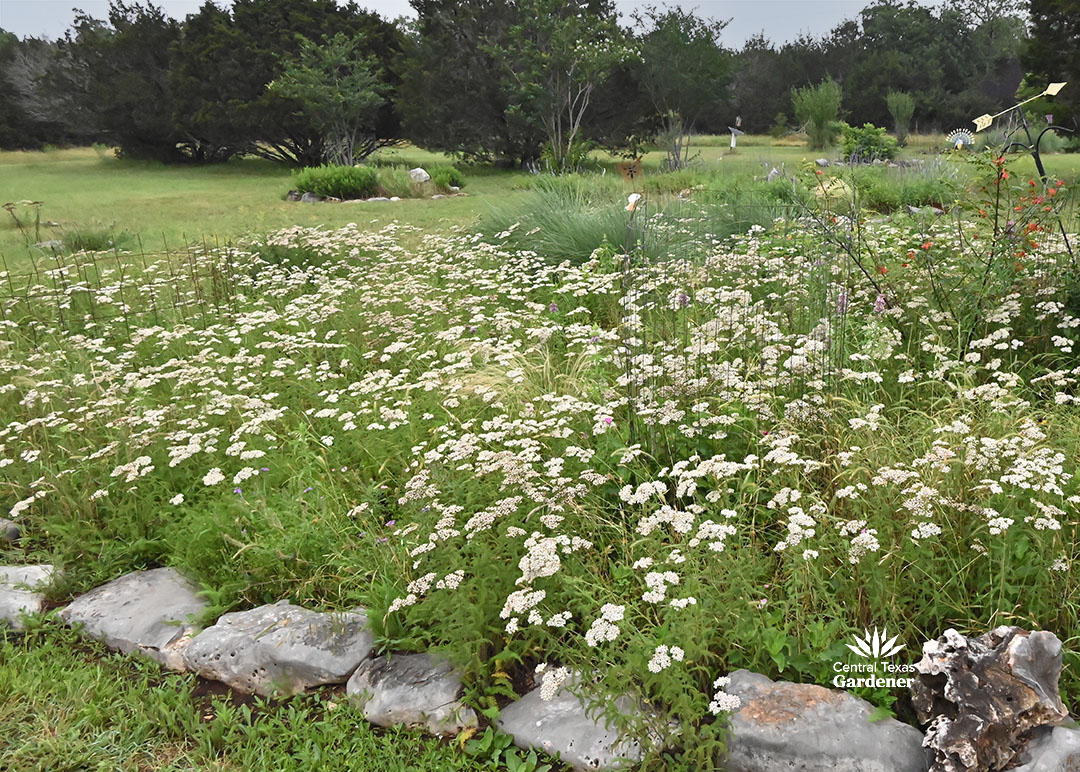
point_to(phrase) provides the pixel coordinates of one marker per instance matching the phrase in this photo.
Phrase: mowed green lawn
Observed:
(159, 205)
(67, 705)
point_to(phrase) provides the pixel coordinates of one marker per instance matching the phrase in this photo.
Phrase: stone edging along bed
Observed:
(281, 650)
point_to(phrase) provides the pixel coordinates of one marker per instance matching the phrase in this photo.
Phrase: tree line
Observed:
(516, 81)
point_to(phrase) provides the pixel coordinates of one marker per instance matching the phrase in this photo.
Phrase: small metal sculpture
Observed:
(960, 139)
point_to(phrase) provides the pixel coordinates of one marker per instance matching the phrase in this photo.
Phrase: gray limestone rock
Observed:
(419, 175)
(1054, 749)
(9, 531)
(562, 726)
(147, 612)
(809, 728)
(280, 649)
(822, 162)
(982, 696)
(19, 592)
(415, 690)
(310, 198)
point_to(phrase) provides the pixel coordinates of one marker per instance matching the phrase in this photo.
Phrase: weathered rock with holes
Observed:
(9, 531)
(146, 612)
(20, 592)
(419, 175)
(809, 728)
(280, 649)
(1051, 749)
(562, 726)
(982, 696)
(414, 690)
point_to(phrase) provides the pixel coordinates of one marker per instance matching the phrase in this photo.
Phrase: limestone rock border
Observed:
(151, 613)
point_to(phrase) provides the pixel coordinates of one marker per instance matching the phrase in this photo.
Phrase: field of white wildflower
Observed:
(653, 472)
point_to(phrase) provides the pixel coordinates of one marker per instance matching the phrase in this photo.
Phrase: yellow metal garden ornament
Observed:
(984, 121)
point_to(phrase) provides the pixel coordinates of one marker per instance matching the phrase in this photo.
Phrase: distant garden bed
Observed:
(351, 183)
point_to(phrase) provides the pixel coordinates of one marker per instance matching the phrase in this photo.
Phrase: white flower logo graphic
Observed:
(875, 646)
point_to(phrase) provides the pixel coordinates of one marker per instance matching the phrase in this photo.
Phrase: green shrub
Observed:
(577, 159)
(779, 127)
(337, 181)
(817, 108)
(446, 177)
(869, 143)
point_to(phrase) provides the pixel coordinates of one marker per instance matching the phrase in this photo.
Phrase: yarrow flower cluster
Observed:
(722, 701)
(552, 680)
(663, 656)
(603, 628)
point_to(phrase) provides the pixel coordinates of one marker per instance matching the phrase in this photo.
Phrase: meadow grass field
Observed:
(725, 425)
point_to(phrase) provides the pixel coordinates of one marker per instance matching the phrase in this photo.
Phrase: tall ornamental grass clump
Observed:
(570, 217)
(901, 107)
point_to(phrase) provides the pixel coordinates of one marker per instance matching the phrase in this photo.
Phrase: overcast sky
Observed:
(780, 20)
